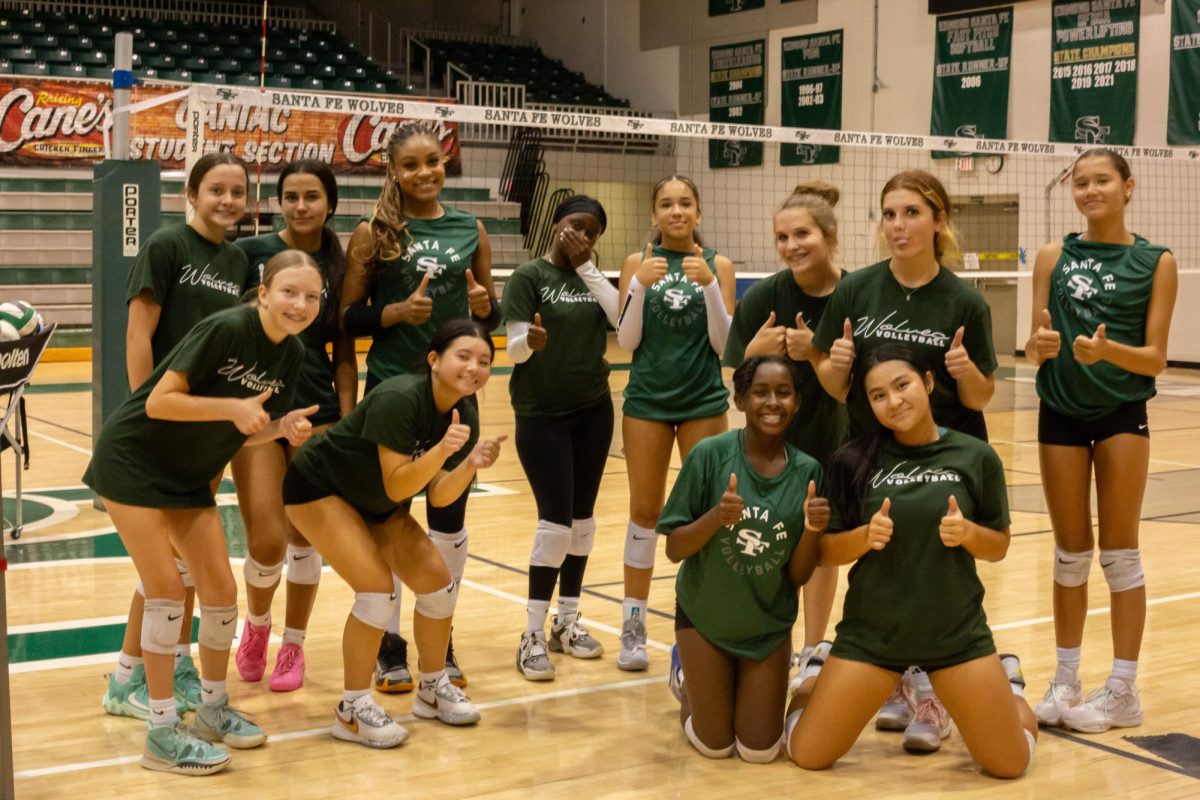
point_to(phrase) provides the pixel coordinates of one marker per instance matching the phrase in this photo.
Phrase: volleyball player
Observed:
(153, 466)
(775, 317)
(1102, 303)
(419, 263)
(912, 298)
(350, 492)
(745, 521)
(915, 504)
(182, 274)
(557, 309)
(678, 297)
(307, 193)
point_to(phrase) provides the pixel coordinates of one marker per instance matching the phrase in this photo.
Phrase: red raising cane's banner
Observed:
(61, 123)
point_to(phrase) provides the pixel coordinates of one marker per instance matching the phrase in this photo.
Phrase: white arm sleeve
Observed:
(518, 344)
(629, 327)
(604, 292)
(718, 317)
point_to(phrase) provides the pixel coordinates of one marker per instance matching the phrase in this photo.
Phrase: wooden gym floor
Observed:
(595, 731)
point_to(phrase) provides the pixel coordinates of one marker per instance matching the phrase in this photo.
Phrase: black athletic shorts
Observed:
(682, 623)
(298, 490)
(1059, 429)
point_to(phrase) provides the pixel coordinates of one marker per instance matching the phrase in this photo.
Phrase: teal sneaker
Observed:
(175, 748)
(220, 722)
(187, 685)
(131, 699)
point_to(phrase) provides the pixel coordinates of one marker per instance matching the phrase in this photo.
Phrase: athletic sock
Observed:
(259, 620)
(535, 615)
(182, 650)
(212, 692)
(631, 604)
(432, 678)
(126, 664)
(1123, 672)
(1067, 670)
(163, 712)
(568, 609)
(349, 696)
(294, 636)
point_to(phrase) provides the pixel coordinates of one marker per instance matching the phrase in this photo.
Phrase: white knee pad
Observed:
(303, 565)
(160, 625)
(583, 536)
(439, 604)
(453, 547)
(551, 543)
(789, 725)
(185, 574)
(373, 608)
(1031, 740)
(217, 626)
(1122, 569)
(701, 747)
(640, 546)
(756, 756)
(1071, 569)
(261, 576)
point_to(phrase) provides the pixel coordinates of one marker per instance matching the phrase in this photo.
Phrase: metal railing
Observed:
(487, 93)
(409, 44)
(190, 10)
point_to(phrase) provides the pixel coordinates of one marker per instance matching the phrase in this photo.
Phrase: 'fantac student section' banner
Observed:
(61, 123)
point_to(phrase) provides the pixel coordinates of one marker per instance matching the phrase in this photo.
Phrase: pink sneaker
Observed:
(252, 652)
(288, 675)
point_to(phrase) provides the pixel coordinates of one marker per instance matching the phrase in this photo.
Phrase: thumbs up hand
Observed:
(1046, 341)
(418, 306)
(729, 509)
(879, 530)
(816, 509)
(486, 452)
(536, 337)
(1090, 349)
(841, 354)
(653, 268)
(478, 299)
(249, 415)
(456, 435)
(769, 340)
(953, 529)
(958, 363)
(799, 340)
(696, 268)
(295, 425)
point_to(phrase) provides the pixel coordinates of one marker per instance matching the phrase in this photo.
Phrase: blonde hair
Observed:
(389, 229)
(945, 242)
(818, 198)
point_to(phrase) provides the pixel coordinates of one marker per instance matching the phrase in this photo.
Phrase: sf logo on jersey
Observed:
(1081, 286)
(677, 299)
(430, 266)
(751, 542)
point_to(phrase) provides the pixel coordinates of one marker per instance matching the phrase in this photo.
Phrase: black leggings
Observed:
(447, 519)
(564, 460)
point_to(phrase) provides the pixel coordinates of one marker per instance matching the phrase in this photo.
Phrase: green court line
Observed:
(71, 643)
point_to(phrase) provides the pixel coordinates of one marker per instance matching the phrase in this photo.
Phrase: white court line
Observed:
(1029, 623)
(67, 445)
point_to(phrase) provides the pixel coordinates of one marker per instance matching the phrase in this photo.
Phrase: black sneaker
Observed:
(452, 668)
(391, 666)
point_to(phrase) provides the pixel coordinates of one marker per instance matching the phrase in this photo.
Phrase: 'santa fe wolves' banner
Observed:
(1093, 71)
(55, 123)
(970, 75)
(1183, 108)
(736, 75)
(812, 94)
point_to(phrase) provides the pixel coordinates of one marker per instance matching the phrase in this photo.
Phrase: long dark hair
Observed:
(850, 468)
(331, 255)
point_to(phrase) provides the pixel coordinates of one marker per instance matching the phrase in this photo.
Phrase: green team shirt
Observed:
(881, 310)
(570, 374)
(820, 426)
(157, 463)
(917, 601)
(314, 387)
(736, 590)
(189, 277)
(1096, 283)
(675, 375)
(443, 249)
(398, 414)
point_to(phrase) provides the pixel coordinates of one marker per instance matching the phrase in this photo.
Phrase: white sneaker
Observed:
(574, 640)
(675, 675)
(633, 655)
(532, 661)
(930, 721)
(1110, 706)
(1059, 698)
(895, 713)
(810, 665)
(364, 722)
(444, 701)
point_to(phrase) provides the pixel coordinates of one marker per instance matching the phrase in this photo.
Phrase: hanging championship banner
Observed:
(1183, 107)
(970, 76)
(718, 8)
(735, 95)
(811, 88)
(1093, 71)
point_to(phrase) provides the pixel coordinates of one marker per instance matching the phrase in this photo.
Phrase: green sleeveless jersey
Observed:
(736, 589)
(1094, 283)
(676, 375)
(315, 384)
(443, 249)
